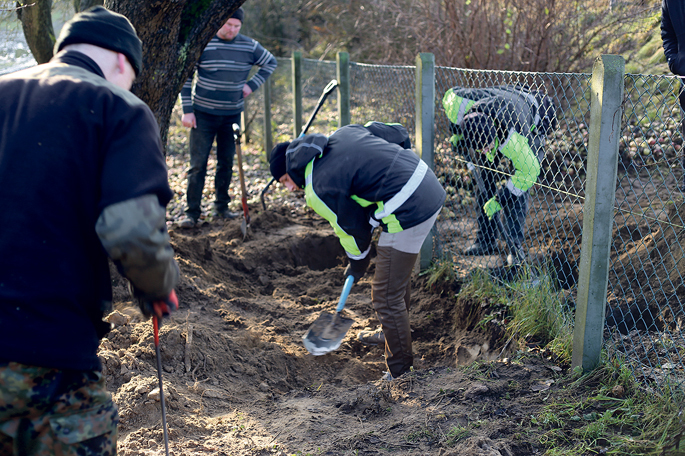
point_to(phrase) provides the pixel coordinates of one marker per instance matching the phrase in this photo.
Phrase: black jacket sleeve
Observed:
(672, 30)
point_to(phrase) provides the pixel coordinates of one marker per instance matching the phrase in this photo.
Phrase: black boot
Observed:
(481, 248)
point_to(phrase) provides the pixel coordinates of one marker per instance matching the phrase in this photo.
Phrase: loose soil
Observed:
(238, 381)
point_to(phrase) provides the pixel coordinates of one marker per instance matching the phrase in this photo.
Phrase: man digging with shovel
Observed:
(360, 178)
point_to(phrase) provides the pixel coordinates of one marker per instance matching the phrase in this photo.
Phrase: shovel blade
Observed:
(326, 333)
(243, 228)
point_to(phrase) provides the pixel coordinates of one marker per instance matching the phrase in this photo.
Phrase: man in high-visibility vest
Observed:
(360, 178)
(488, 124)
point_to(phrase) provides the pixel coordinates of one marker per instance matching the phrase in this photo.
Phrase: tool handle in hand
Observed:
(345, 292)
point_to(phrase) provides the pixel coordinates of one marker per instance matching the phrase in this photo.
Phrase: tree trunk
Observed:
(36, 22)
(82, 5)
(174, 34)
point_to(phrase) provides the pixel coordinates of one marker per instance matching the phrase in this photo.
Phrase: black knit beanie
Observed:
(238, 14)
(479, 131)
(277, 160)
(106, 29)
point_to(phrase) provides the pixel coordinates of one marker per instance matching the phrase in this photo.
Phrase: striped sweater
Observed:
(222, 71)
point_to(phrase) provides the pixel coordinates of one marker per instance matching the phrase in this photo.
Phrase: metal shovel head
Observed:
(326, 333)
(243, 228)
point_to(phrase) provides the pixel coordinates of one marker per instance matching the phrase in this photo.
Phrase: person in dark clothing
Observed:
(215, 105)
(672, 29)
(83, 178)
(361, 178)
(488, 124)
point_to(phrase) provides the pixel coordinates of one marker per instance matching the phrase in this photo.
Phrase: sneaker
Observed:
(187, 222)
(387, 377)
(479, 249)
(369, 337)
(225, 214)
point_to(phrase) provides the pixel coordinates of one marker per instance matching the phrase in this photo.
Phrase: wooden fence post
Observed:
(297, 93)
(425, 131)
(608, 74)
(268, 134)
(343, 70)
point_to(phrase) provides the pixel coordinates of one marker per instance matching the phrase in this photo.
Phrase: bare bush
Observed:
(517, 35)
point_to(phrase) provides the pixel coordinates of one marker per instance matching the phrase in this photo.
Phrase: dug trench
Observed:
(238, 380)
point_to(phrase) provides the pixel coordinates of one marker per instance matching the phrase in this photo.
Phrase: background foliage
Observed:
(517, 35)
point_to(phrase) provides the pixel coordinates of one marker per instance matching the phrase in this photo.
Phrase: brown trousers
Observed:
(391, 300)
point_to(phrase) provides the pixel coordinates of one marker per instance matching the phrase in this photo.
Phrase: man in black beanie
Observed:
(83, 178)
(214, 106)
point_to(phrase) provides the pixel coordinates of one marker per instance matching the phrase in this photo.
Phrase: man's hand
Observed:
(159, 307)
(357, 268)
(246, 90)
(188, 120)
(491, 207)
(163, 307)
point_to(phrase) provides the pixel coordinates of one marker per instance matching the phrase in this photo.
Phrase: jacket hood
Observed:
(300, 152)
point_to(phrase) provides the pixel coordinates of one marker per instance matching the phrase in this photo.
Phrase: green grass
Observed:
(605, 411)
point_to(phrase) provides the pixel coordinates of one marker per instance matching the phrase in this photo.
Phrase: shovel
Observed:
(246, 215)
(328, 331)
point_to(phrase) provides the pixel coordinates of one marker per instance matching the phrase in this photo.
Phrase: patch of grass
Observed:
(538, 313)
(455, 434)
(422, 433)
(439, 273)
(605, 411)
(618, 417)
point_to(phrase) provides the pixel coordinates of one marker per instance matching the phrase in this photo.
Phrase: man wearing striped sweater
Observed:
(214, 104)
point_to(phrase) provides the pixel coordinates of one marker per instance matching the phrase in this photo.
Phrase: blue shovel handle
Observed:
(345, 292)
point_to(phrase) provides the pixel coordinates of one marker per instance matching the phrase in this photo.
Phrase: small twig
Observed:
(275, 437)
(189, 342)
(18, 7)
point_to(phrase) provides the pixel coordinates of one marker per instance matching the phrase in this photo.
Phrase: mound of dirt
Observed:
(238, 381)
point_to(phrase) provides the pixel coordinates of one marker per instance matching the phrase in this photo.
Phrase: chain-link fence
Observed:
(646, 287)
(646, 290)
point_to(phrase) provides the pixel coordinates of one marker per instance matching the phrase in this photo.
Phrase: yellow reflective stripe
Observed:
(527, 166)
(316, 203)
(403, 195)
(454, 139)
(393, 224)
(455, 106)
(361, 201)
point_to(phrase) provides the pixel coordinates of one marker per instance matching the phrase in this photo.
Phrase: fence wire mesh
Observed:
(383, 93)
(644, 312)
(646, 288)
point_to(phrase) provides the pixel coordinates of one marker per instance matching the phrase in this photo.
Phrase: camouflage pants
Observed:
(55, 412)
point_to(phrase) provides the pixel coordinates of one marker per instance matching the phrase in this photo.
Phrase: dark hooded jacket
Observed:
(360, 177)
(673, 33)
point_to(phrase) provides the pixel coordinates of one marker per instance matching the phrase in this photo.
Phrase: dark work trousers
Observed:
(391, 294)
(391, 291)
(512, 215)
(209, 127)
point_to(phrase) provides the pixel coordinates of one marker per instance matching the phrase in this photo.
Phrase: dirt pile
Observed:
(238, 380)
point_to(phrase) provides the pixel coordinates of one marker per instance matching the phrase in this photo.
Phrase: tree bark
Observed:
(82, 5)
(36, 23)
(174, 34)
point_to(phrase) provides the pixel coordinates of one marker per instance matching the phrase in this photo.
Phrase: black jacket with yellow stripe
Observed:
(361, 177)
